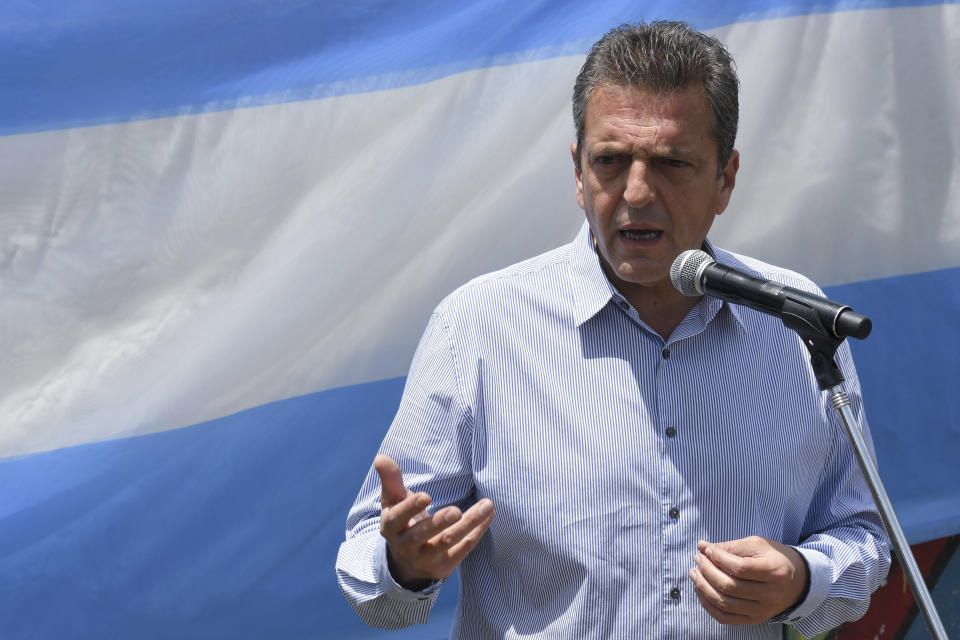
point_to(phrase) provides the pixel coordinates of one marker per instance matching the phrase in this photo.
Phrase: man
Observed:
(610, 458)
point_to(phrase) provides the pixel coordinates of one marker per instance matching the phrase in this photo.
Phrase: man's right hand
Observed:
(422, 548)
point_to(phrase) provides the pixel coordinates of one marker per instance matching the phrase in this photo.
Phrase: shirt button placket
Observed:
(668, 370)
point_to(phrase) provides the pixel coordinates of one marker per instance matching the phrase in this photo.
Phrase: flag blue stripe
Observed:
(245, 513)
(112, 535)
(908, 373)
(101, 61)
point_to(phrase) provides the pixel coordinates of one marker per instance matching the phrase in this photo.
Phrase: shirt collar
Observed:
(592, 290)
(723, 257)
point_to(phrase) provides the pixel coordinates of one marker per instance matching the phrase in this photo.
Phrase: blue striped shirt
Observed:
(608, 452)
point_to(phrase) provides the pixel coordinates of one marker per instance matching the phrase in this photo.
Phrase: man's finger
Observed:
(397, 518)
(460, 538)
(429, 527)
(745, 547)
(391, 480)
(745, 567)
(470, 519)
(728, 604)
(726, 584)
(460, 550)
(717, 614)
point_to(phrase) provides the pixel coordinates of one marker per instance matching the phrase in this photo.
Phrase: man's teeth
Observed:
(647, 234)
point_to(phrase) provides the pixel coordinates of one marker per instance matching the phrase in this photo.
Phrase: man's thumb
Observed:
(391, 479)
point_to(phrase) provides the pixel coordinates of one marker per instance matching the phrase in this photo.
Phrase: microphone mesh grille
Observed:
(685, 270)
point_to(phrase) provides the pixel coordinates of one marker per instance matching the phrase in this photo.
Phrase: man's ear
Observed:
(578, 174)
(728, 179)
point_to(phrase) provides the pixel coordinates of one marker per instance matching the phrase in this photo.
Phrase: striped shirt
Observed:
(608, 452)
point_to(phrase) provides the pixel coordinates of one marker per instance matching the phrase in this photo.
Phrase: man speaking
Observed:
(602, 456)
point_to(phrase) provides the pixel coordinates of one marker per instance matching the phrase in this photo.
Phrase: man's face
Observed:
(648, 181)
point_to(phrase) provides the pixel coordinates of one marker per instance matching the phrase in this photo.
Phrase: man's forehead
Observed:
(681, 118)
(640, 91)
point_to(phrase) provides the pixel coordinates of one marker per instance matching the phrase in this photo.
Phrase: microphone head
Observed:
(686, 270)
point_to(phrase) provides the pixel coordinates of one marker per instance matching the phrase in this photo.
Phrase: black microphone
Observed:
(695, 273)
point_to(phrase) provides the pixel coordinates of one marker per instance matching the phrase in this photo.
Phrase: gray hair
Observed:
(663, 57)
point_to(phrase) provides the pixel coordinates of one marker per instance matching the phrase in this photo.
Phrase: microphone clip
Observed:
(821, 342)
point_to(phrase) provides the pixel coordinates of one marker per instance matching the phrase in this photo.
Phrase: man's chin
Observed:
(643, 271)
(643, 278)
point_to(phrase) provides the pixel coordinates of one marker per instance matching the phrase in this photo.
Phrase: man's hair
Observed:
(663, 57)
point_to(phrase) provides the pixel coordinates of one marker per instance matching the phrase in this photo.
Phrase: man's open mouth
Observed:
(645, 234)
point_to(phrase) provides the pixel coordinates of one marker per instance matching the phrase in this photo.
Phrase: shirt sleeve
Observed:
(430, 439)
(845, 546)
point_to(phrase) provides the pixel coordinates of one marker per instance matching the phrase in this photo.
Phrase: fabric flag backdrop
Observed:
(223, 227)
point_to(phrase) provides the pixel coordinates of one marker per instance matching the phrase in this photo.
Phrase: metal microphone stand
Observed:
(822, 345)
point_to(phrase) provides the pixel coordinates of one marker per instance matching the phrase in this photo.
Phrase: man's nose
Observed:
(640, 190)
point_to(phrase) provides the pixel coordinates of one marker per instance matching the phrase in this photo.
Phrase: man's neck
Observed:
(661, 307)
(662, 312)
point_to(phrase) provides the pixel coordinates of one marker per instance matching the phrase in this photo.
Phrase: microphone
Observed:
(695, 273)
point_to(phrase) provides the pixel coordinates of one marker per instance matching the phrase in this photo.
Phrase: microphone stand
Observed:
(822, 345)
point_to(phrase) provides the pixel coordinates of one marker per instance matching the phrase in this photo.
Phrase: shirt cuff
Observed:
(818, 567)
(389, 585)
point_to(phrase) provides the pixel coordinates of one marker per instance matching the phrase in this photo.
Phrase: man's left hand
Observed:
(748, 581)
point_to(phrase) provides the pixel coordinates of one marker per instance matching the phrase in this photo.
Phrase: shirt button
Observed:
(666, 353)
(675, 593)
(671, 432)
(674, 513)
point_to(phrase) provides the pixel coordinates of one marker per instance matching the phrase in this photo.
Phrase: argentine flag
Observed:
(223, 226)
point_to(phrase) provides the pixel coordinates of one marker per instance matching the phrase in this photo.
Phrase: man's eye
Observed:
(607, 161)
(675, 162)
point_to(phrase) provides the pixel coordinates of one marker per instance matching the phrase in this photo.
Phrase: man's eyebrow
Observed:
(678, 150)
(608, 145)
(612, 147)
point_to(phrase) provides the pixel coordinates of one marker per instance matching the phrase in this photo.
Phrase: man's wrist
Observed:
(819, 573)
(410, 584)
(800, 563)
